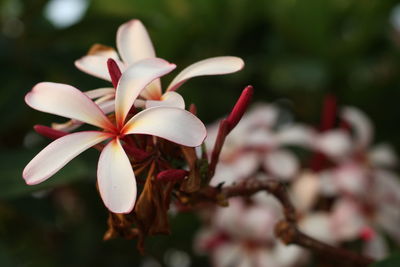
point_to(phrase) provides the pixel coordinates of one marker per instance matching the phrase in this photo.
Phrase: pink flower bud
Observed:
(172, 175)
(136, 153)
(48, 132)
(329, 113)
(114, 71)
(367, 234)
(240, 107)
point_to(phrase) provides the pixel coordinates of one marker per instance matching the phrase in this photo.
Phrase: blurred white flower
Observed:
(258, 143)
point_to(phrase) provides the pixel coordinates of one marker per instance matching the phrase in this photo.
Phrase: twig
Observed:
(287, 229)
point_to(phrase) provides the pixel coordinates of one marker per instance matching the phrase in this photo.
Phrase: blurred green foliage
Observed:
(295, 50)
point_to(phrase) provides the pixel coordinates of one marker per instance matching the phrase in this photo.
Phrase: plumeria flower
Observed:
(242, 234)
(116, 179)
(134, 44)
(358, 160)
(366, 190)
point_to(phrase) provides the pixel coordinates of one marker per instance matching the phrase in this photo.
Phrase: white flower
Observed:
(116, 179)
(134, 44)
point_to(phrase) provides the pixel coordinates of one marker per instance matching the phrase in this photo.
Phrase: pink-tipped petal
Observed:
(318, 225)
(133, 42)
(107, 106)
(383, 155)
(209, 66)
(134, 80)
(58, 153)
(347, 219)
(140, 103)
(67, 126)
(116, 180)
(169, 99)
(334, 143)
(305, 191)
(296, 134)
(282, 164)
(95, 64)
(361, 125)
(152, 91)
(100, 92)
(174, 124)
(67, 101)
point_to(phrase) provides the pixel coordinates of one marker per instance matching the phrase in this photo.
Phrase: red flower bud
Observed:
(49, 132)
(329, 113)
(193, 109)
(172, 175)
(240, 107)
(367, 233)
(136, 153)
(114, 71)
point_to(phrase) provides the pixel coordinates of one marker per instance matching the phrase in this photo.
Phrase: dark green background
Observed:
(296, 51)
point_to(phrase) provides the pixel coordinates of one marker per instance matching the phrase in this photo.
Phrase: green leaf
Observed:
(391, 261)
(12, 184)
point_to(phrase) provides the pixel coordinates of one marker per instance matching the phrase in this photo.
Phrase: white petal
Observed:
(152, 91)
(297, 134)
(328, 184)
(305, 190)
(116, 180)
(318, 225)
(334, 143)
(289, 255)
(347, 220)
(352, 177)
(58, 153)
(100, 92)
(361, 124)
(281, 163)
(256, 138)
(209, 66)
(228, 254)
(95, 63)
(67, 101)
(235, 170)
(230, 219)
(67, 126)
(134, 80)
(133, 42)
(169, 99)
(261, 115)
(107, 106)
(377, 248)
(259, 223)
(140, 103)
(174, 124)
(383, 155)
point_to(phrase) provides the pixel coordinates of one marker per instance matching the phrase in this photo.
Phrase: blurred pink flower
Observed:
(255, 143)
(367, 192)
(243, 235)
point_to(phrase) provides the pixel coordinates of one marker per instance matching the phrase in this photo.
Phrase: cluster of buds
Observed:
(146, 138)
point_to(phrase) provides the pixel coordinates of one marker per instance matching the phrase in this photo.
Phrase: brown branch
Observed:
(290, 234)
(251, 186)
(287, 229)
